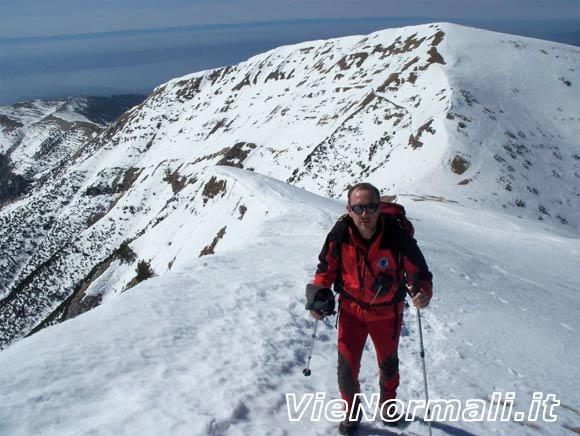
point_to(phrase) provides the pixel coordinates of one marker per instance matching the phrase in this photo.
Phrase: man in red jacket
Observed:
(371, 260)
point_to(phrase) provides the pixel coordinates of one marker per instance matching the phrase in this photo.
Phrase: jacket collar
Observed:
(358, 239)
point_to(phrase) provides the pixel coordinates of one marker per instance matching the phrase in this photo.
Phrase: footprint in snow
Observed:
(516, 373)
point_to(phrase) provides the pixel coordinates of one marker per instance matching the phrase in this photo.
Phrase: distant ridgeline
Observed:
(37, 136)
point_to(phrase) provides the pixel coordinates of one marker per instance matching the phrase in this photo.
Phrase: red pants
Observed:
(355, 323)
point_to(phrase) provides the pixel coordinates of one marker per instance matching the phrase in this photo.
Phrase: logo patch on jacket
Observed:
(383, 262)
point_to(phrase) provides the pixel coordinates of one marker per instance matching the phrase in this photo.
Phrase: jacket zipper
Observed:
(361, 268)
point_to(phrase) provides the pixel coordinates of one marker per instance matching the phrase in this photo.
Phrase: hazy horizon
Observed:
(124, 60)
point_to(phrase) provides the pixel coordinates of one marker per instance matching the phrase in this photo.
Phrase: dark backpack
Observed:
(397, 212)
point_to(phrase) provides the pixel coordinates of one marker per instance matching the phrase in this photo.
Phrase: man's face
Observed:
(366, 222)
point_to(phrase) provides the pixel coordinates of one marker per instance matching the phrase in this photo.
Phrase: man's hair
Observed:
(366, 187)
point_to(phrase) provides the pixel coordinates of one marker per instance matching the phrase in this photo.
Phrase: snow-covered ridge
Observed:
(38, 136)
(438, 111)
(212, 346)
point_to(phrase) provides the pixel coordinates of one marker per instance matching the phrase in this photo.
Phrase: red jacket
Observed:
(373, 272)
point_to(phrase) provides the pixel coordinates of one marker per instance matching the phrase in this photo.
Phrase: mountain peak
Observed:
(438, 112)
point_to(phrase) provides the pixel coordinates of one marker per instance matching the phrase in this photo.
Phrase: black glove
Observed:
(320, 299)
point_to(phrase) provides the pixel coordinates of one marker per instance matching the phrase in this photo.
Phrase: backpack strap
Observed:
(394, 222)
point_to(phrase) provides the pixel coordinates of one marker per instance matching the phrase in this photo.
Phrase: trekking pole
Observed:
(384, 284)
(306, 370)
(416, 291)
(376, 295)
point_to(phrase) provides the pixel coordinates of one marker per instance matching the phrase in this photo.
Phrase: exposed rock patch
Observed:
(459, 165)
(236, 155)
(209, 249)
(415, 140)
(12, 185)
(213, 188)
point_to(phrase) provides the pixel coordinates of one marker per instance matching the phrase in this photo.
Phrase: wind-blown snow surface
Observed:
(212, 346)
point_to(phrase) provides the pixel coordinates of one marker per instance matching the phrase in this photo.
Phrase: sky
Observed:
(72, 47)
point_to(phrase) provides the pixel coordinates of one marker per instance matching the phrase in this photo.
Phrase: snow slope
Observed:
(212, 346)
(483, 119)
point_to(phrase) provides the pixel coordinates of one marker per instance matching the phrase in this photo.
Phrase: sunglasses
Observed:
(360, 208)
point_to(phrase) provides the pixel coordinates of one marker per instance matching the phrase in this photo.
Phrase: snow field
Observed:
(212, 346)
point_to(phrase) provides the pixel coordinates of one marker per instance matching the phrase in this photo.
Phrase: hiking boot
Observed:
(348, 427)
(389, 414)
